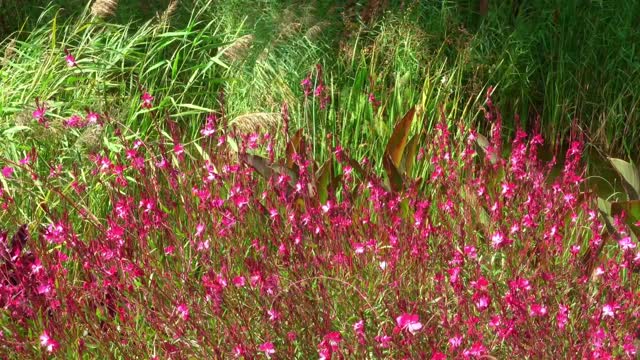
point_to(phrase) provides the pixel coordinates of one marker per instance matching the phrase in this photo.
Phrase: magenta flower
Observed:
(306, 86)
(71, 60)
(147, 100)
(267, 348)
(626, 243)
(210, 126)
(183, 311)
(74, 121)
(48, 343)
(383, 341)
(40, 112)
(410, 322)
(7, 171)
(537, 310)
(239, 281)
(92, 118)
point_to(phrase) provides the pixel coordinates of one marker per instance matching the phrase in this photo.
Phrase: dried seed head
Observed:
(316, 31)
(169, 11)
(91, 138)
(9, 52)
(104, 8)
(288, 30)
(257, 123)
(239, 49)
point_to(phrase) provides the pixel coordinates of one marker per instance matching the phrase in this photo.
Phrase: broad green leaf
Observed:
(395, 146)
(630, 177)
(395, 179)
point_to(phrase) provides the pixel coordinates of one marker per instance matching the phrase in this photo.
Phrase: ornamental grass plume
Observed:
(314, 32)
(261, 122)
(239, 49)
(104, 8)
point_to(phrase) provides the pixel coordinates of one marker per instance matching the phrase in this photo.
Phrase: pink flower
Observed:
(455, 341)
(476, 350)
(74, 121)
(48, 343)
(267, 348)
(306, 86)
(498, 240)
(383, 341)
(147, 100)
(210, 126)
(178, 149)
(626, 243)
(563, 317)
(609, 310)
(39, 113)
(481, 300)
(537, 310)
(7, 171)
(274, 315)
(92, 118)
(238, 281)
(70, 59)
(183, 311)
(410, 322)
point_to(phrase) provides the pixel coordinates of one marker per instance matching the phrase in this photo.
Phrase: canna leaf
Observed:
(261, 165)
(483, 142)
(410, 157)
(323, 180)
(397, 143)
(395, 179)
(294, 147)
(630, 177)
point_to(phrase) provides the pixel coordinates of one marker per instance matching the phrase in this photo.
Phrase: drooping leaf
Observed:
(395, 179)
(398, 141)
(19, 239)
(260, 164)
(409, 157)
(335, 182)
(484, 144)
(294, 147)
(355, 166)
(266, 170)
(630, 177)
(323, 180)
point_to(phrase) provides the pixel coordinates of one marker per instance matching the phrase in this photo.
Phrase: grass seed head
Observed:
(239, 50)
(257, 123)
(104, 8)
